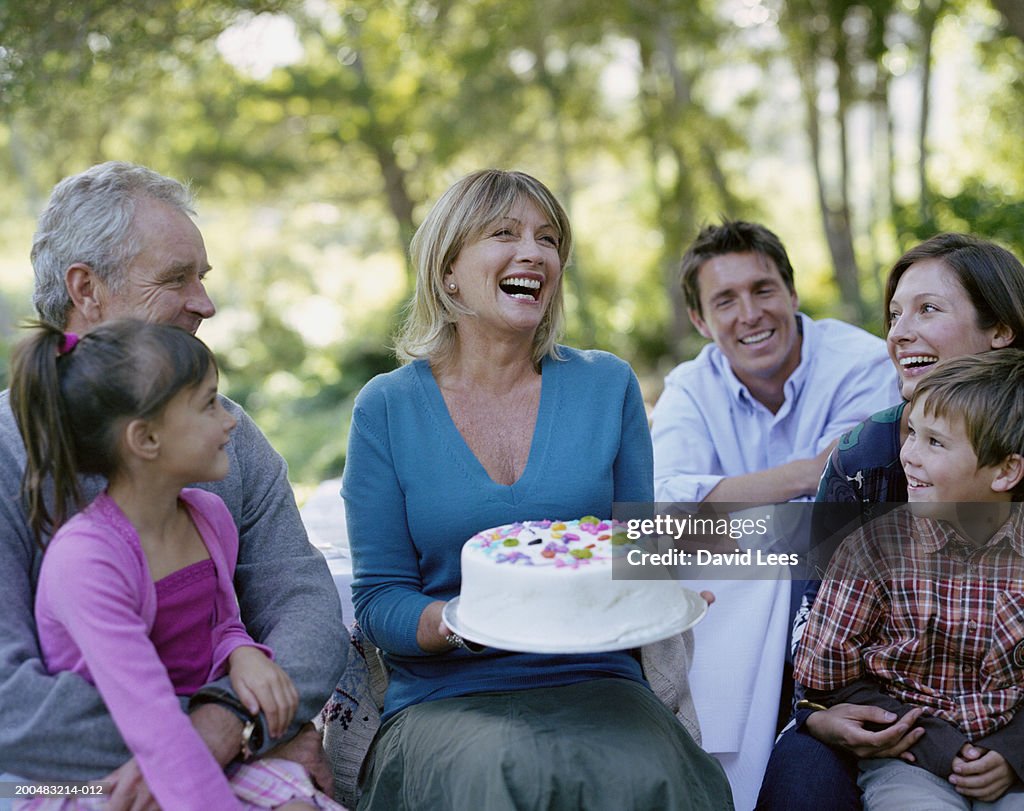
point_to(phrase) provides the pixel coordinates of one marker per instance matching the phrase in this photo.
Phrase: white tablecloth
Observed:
(341, 571)
(323, 515)
(739, 654)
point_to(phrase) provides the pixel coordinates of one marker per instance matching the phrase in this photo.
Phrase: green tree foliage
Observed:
(50, 45)
(648, 118)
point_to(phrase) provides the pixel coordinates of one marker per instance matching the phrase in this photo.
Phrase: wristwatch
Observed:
(457, 641)
(252, 730)
(248, 733)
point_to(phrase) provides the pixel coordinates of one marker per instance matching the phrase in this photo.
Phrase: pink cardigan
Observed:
(95, 607)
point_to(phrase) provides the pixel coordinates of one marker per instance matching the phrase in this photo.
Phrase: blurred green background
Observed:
(317, 134)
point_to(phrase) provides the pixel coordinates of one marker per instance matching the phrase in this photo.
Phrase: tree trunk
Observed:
(836, 226)
(381, 144)
(883, 194)
(730, 206)
(928, 18)
(840, 233)
(662, 123)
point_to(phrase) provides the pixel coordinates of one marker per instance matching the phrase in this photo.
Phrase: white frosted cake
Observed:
(547, 586)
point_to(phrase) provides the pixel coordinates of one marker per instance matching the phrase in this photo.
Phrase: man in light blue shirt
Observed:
(752, 419)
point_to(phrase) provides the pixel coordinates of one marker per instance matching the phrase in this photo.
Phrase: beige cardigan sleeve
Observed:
(666, 666)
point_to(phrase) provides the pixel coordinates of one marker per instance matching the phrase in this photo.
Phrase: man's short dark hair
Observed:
(732, 236)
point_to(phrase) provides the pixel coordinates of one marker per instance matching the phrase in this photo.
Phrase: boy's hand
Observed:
(843, 726)
(262, 685)
(981, 774)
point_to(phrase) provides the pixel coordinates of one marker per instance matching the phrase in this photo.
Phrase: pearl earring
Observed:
(451, 286)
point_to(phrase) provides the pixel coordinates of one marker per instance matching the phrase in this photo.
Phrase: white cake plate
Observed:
(693, 613)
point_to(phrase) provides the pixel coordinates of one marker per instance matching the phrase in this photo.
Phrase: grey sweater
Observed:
(57, 726)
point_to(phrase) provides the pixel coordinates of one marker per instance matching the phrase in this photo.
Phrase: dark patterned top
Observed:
(865, 466)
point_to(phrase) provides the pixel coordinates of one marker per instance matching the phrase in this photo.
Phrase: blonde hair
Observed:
(461, 215)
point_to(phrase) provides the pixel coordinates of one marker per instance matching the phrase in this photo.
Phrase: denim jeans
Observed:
(805, 774)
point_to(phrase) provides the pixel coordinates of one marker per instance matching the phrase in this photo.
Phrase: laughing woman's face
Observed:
(931, 318)
(508, 276)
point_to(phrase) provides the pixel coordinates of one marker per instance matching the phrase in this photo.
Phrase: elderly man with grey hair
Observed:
(118, 241)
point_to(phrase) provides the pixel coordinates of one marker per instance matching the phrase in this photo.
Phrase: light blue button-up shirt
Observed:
(707, 426)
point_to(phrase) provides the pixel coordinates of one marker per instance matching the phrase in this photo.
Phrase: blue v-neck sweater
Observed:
(414, 493)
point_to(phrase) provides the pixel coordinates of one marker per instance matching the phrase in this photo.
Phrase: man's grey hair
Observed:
(88, 219)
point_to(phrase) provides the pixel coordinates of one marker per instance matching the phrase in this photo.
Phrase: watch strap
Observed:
(252, 729)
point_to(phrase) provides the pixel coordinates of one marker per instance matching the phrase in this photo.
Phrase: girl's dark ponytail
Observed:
(41, 413)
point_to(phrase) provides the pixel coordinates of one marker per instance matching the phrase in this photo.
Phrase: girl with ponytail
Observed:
(135, 592)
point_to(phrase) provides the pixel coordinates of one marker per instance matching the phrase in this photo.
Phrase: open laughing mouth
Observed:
(917, 483)
(915, 363)
(521, 287)
(757, 338)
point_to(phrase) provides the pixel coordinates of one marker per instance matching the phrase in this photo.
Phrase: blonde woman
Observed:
(489, 421)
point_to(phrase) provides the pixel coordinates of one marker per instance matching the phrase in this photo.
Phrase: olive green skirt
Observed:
(601, 744)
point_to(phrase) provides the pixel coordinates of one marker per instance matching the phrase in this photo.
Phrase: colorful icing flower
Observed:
(513, 557)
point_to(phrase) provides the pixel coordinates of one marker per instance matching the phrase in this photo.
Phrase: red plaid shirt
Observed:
(939, 623)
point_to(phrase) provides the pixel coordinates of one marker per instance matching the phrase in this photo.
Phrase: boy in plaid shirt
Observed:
(925, 606)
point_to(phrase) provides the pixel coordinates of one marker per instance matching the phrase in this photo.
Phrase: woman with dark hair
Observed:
(950, 296)
(953, 295)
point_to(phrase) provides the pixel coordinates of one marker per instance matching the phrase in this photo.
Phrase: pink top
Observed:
(96, 604)
(185, 604)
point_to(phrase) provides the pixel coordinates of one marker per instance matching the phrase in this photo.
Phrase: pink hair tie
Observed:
(67, 343)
